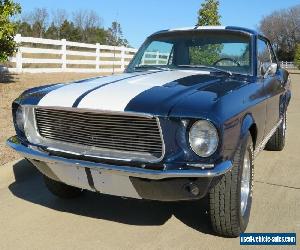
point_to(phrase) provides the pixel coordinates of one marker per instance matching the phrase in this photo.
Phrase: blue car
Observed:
(184, 121)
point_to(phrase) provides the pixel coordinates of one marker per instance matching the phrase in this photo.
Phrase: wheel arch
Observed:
(249, 125)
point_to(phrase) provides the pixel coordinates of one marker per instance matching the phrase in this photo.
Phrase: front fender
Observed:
(247, 123)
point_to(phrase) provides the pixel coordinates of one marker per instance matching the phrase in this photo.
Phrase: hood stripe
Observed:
(67, 95)
(115, 97)
(78, 100)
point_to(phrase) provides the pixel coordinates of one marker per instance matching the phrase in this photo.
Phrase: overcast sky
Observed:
(141, 18)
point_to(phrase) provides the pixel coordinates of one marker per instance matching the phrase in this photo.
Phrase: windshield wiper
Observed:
(145, 67)
(215, 69)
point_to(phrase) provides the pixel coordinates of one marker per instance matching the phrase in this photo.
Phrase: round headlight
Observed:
(203, 138)
(20, 118)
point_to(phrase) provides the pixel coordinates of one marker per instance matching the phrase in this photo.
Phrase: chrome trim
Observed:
(93, 151)
(263, 143)
(163, 150)
(82, 110)
(245, 183)
(32, 152)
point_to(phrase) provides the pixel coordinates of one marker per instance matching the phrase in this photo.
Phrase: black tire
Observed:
(62, 190)
(277, 141)
(226, 216)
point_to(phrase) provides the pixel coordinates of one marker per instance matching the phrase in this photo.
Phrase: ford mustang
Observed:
(184, 121)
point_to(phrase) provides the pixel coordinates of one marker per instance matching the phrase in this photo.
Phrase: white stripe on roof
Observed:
(200, 28)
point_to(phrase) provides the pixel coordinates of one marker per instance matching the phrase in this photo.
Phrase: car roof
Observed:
(229, 28)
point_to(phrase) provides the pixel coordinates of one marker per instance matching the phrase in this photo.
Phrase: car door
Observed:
(272, 83)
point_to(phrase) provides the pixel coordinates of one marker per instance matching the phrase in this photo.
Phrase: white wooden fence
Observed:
(156, 57)
(288, 65)
(90, 57)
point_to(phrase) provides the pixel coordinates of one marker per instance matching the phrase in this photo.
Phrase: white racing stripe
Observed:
(116, 96)
(67, 95)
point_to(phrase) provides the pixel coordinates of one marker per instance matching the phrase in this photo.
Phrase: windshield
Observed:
(216, 50)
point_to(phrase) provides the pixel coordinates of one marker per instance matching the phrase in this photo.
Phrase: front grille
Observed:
(107, 131)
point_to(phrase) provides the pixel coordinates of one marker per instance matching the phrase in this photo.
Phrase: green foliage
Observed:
(7, 28)
(297, 56)
(208, 14)
(69, 31)
(205, 55)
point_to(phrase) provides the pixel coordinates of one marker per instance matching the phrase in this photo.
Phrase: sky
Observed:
(140, 18)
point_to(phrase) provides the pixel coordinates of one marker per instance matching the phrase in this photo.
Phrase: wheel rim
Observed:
(284, 125)
(245, 183)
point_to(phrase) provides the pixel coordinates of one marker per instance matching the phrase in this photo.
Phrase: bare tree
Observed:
(283, 29)
(38, 19)
(85, 21)
(58, 18)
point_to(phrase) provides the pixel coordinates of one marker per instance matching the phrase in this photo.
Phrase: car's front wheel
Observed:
(231, 197)
(62, 190)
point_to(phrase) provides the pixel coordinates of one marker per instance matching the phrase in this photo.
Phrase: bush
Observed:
(7, 28)
(297, 56)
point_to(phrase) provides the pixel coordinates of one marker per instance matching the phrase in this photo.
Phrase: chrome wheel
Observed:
(245, 183)
(284, 125)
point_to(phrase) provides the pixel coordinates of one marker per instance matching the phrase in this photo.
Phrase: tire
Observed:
(277, 141)
(227, 214)
(62, 190)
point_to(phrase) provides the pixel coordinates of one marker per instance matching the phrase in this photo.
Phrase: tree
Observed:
(85, 26)
(53, 32)
(70, 32)
(40, 17)
(24, 28)
(58, 18)
(282, 27)
(86, 20)
(115, 35)
(208, 14)
(7, 28)
(297, 56)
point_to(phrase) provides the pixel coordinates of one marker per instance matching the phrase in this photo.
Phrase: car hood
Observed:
(154, 92)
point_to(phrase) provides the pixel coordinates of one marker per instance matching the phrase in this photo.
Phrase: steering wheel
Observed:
(227, 59)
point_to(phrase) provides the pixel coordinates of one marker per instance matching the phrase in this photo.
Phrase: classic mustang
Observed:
(185, 121)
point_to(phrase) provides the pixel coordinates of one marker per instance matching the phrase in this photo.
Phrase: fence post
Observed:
(157, 58)
(122, 58)
(64, 54)
(19, 63)
(97, 55)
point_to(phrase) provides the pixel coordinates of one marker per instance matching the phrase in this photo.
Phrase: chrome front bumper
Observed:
(34, 153)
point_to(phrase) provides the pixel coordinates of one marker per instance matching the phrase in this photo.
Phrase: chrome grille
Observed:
(107, 131)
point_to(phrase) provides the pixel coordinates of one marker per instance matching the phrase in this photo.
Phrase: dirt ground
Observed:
(11, 86)
(32, 218)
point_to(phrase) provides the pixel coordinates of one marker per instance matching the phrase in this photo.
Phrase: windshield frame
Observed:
(131, 66)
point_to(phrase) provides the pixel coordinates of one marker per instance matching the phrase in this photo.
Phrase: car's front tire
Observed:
(62, 190)
(231, 197)
(277, 141)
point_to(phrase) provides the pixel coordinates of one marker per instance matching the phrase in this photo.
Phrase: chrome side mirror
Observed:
(268, 69)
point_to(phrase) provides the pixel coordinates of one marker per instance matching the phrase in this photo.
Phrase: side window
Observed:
(263, 55)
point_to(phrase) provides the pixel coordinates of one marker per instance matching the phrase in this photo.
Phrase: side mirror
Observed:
(268, 69)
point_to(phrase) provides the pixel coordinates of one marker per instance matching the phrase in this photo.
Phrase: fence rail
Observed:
(99, 58)
(288, 65)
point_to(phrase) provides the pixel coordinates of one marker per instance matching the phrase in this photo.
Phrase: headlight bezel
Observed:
(217, 134)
